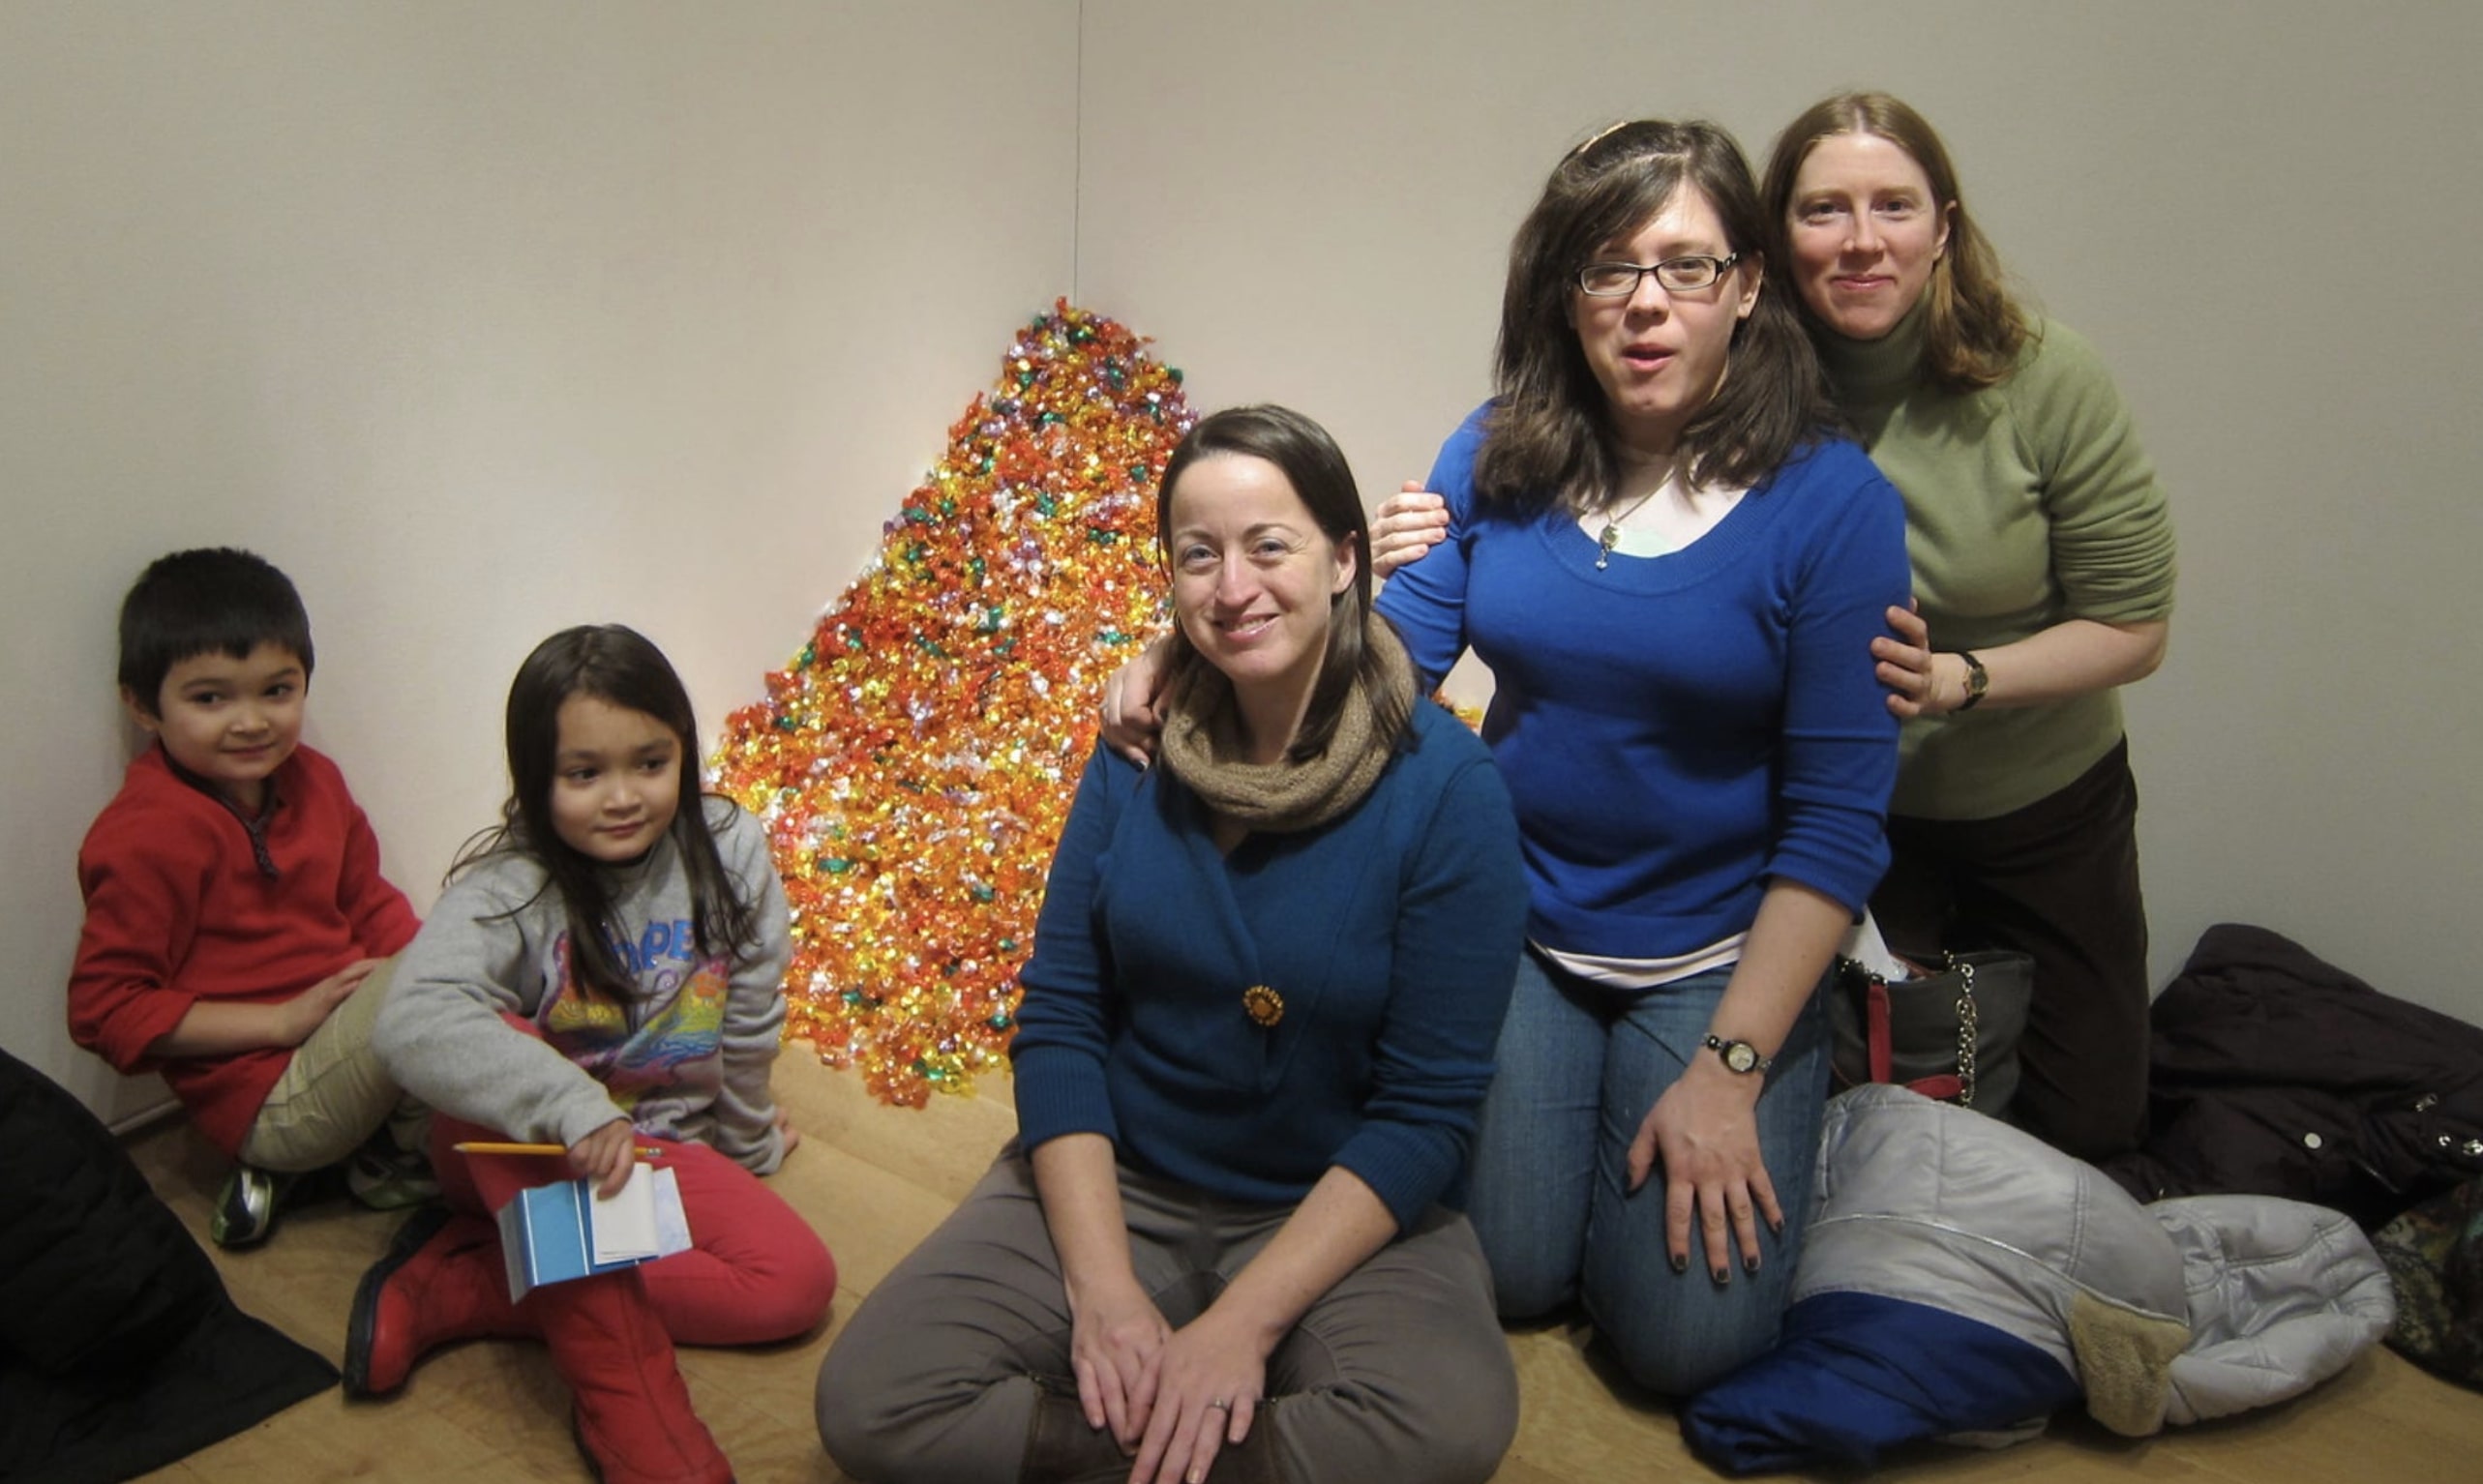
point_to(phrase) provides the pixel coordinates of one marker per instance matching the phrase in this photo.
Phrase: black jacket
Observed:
(2273, 1073)
(119, 1349)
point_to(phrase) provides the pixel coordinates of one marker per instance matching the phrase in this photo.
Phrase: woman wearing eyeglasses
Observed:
(1674, 569)
(2044, 571)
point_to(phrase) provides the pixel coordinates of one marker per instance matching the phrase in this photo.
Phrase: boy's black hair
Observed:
(211, 599)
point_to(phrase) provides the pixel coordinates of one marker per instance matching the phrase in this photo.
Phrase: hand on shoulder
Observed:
(1409, 523)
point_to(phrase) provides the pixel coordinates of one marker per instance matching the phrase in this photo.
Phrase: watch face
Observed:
(1741, 1055)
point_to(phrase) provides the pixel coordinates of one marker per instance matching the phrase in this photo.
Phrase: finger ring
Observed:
(1221, 1405)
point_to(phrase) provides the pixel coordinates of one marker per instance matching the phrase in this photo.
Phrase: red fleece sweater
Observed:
(178, 911)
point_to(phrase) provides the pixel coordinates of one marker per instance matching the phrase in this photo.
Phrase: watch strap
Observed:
(1978, 680)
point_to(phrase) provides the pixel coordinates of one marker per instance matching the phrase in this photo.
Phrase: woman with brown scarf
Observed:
(1258, 1026)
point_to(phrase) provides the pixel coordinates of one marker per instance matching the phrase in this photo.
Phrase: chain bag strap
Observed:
(1969, 1025)
(1952, 1034)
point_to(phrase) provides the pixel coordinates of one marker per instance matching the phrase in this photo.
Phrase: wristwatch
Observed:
(1737, 1055)
(1977, 680)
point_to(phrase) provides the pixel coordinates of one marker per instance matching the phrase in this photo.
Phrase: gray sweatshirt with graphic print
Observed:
(686, 1056)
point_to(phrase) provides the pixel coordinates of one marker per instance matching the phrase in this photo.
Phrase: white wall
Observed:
(2265, 214)
(480, 319)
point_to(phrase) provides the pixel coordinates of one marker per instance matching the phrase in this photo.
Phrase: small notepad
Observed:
(623, 1225)
(554, 1233)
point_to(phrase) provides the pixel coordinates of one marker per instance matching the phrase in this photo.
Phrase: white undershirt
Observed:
(1862, 943)
(1660, 520)
(1648, 973)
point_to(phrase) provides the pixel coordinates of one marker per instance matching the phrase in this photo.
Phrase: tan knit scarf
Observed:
(1202, 745)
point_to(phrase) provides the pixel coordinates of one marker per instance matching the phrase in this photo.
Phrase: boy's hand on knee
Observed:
(309, 1010)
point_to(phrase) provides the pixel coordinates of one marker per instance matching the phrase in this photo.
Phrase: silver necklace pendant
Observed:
(1611, 536)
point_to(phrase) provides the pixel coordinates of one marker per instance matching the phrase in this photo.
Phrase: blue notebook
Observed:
(554, 1233)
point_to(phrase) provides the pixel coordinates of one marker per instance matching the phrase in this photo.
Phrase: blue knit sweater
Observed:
(1392, 933)
(1677, 730)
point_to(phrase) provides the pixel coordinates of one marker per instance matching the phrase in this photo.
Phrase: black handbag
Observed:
(1950, 1036)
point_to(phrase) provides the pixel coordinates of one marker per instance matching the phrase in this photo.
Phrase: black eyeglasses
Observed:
(1674, 275)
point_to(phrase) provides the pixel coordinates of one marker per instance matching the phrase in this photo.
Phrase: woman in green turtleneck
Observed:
(2043, 571)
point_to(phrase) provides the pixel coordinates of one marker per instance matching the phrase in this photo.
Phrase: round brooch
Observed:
(1266, 1005)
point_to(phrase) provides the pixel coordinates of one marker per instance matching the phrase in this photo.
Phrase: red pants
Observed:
(756, 1273)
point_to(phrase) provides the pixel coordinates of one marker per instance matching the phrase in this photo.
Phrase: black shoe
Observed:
(381, 1178)
(246, 1206)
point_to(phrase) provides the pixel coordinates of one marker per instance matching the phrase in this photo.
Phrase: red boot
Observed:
(442, 1280)
(634, 1418)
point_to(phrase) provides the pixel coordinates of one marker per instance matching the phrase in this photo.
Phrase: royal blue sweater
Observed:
(1677, 730)
(1392, 933)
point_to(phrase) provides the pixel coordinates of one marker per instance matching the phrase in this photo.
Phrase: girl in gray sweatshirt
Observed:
(605, 974)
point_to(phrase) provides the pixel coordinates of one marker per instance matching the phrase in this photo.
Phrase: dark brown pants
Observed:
(2058, 880)
(1397, 1373)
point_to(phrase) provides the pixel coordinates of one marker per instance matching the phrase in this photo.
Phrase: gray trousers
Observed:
(1398, 1372)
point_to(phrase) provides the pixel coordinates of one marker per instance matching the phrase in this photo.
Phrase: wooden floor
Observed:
(875, 1180)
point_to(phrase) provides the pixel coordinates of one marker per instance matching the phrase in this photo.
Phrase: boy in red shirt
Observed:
(238, 931)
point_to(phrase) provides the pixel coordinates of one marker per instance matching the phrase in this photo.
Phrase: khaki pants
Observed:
(334, 1093)
(1397, 1373)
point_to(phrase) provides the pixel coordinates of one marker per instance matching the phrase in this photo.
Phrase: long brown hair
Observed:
(1973, 330)
(1302, 452)
(1550, 438)
(621, 667)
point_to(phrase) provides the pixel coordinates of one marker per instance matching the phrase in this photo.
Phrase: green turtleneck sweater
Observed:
(2025, 504)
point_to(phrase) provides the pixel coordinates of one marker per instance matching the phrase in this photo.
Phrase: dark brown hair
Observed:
(1550, 438)
(1302, 452)
(1973, 330)
(622, 668)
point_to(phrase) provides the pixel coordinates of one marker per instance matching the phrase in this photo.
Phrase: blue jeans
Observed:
(1579, 1065)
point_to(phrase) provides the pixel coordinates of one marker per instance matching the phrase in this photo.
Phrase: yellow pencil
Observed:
(477, 1146)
